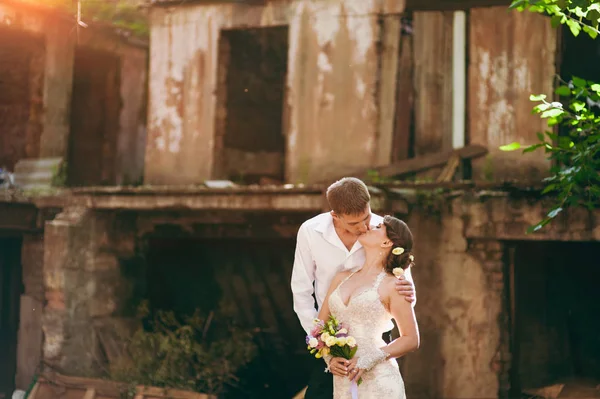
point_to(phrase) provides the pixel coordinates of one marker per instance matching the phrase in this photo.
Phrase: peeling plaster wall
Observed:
(331, 114)
(60, 38)
(457, 310)
(21, 86)
(504, 70)
(461, 278)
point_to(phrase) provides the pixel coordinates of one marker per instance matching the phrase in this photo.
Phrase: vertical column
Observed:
(490, 253)
(29, 341)
(58, 84)
(459, 78)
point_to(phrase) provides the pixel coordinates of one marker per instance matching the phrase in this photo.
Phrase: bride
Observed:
(366, 301)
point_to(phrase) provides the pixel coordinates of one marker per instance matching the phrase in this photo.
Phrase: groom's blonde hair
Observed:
(348, 196)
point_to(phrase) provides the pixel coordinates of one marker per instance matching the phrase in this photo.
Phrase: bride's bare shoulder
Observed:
(388, 284)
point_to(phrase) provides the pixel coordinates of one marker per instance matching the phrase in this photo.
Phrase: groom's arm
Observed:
(405, 286)
(303, 277)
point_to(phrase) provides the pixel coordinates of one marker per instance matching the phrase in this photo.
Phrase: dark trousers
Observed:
(320, 384)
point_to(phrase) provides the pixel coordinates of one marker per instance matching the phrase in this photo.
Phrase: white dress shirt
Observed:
(320, 255)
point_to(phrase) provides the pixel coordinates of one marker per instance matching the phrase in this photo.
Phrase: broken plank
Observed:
(418, 164)
(430, 161)
(451, 5)
(449, 170)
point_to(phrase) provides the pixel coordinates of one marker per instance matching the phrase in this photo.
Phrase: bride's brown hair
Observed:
(400, 235)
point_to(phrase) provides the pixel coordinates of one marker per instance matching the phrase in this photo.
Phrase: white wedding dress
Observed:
(367, 321)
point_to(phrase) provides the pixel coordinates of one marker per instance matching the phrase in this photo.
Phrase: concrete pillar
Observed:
(58, 83)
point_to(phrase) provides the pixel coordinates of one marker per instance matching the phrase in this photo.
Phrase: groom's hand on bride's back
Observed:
(407, 288)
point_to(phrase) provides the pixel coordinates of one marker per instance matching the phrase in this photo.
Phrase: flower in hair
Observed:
(398, 272)
(411, 257)
(398, 251)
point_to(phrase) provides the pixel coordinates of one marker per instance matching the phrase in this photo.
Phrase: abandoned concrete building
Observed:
(280, 98)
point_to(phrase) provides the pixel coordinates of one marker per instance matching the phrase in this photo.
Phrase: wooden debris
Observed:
(449, 170)
(54, 385)
(418, 164)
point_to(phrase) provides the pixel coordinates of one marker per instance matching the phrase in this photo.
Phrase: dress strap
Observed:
(378, 280)
(346, 279)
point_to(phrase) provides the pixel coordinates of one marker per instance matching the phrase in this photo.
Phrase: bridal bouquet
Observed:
(331, 338)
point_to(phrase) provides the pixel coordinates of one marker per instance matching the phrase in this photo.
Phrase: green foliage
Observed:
(59, 175)
(578, 15)
(575, 178)
(433, 202)
(196, 353)
(119, 13)
(374, 177)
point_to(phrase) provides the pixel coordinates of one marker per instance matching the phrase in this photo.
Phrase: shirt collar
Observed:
(325, 223)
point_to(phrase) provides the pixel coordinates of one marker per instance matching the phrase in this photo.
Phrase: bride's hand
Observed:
(353, 371)
(339, 366)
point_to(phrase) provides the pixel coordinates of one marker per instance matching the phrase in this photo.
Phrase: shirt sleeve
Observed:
(409, 277)
(303, 277)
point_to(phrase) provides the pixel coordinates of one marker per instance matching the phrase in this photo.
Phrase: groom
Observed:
(326, 245)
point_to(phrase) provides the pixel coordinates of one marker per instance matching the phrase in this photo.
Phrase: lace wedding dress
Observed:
(367, 320)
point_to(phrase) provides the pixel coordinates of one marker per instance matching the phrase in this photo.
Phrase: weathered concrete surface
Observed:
(460, 268)
(84, 286)
(330, 117)
(457, 314)
(21, 86)
(463, 308)
(250, 198)
(131, 141)
(30, 338)
(51, 108)
(504, 70)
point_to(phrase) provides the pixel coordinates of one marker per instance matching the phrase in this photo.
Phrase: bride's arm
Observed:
(409, 340)
(404, 315)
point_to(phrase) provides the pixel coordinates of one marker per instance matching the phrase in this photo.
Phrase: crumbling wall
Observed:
(459, 303)
(86, 291)
(29, 341)
(330, 116)
(46, 131)
(21, 85)
(462, 281)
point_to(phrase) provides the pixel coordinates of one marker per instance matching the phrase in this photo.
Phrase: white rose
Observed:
(343, 331)
(351, 342)
(324, 336)
(398, 271)
(313, 342)
(342, 341)
(330, 341)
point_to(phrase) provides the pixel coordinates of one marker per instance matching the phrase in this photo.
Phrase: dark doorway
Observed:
(572, 64)
(251, 92)
(21, 86)
(571, 61)
(95, 108)
(251, 277)
(11, 288)
(555, 323)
